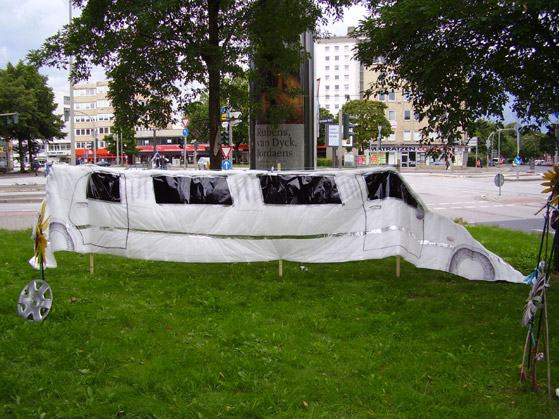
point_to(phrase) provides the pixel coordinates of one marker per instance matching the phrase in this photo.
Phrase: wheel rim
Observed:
(35, 301)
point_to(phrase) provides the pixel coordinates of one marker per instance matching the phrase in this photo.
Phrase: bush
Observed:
(321, 162)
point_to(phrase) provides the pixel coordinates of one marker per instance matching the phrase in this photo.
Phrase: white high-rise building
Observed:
(339, 72)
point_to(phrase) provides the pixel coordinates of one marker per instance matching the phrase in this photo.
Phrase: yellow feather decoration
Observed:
(40, 237)
(551, 177)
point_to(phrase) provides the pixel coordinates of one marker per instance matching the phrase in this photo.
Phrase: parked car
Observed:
(103, 163)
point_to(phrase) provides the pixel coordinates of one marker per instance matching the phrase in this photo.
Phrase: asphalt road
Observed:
(476, 199)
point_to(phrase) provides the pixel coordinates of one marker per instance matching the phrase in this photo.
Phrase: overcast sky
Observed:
(25, 24)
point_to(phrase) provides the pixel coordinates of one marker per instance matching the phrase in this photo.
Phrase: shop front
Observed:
(413, 156)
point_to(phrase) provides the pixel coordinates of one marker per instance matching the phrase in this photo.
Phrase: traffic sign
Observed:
(499, 180)
(326, 120)
(226, 164)
(226, 151)
(517, 161)
(185, 122)
(224, 114)
(185, 132)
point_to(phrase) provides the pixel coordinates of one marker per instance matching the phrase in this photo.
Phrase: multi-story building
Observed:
(343, 78)
(338, 72)
(93, 120)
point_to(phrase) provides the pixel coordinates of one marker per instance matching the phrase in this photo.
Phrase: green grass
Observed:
(151, 339)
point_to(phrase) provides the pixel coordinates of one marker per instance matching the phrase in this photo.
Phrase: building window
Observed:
(407, 115)
(382, 97)
(406, 96)
(327, 58)
(336, 106)
(391, 115)
(84, 92)
(346, 87)
(84, 105)
(328, 107)
(327, 78)
(83, 131)
(84, 118)
(392, 137)
(102, 89)
(336, 68)
(327, 87)
(337, 58)
(337, 48)
(327, 97)
(346, 67)
(346, 47)
(103, 103)
(346, 57)
(407, 135)
(417, 135)
(416, 116)
(327, 68)
(392, 96)
(337, 87)
(337, 77)
(346, 77)
(326, 49)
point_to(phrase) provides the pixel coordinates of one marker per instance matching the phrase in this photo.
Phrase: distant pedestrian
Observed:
(47, 168)
(35, 166)
(164, 162)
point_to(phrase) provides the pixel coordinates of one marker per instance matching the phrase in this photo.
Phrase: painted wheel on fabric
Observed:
(473, 262)
(59, 228)
(35, 301)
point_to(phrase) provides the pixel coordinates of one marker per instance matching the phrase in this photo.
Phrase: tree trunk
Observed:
(214, 85)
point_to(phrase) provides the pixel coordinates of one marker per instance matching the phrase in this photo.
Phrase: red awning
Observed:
(170, 148)
(101, 152)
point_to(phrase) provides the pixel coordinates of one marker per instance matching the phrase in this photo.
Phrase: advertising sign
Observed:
(283, 131)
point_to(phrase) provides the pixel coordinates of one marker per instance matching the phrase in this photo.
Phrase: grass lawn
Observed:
(147, 339)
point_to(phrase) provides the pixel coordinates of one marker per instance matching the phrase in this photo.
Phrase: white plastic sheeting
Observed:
(249, 216)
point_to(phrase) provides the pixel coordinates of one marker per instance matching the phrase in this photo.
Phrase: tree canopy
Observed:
(25, 91)
(159, 53)
(461, 60)
(369, 115)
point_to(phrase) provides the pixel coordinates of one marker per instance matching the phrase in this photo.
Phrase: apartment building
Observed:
(338, 73)
(343, 78)
(93, 120)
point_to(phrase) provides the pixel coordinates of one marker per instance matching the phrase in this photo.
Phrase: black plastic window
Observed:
(104, 187)
(381, 185)
(208, 190)
(299, 190)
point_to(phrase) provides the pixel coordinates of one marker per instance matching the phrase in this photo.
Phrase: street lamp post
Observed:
(72, 133)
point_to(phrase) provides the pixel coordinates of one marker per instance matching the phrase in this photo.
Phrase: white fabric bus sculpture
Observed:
(249, 216)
